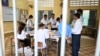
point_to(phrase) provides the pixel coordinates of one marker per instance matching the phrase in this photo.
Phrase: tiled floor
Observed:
(87, 48)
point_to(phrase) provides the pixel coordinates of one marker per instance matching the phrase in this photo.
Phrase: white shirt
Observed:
(77, 27)
(22, 36)
(57, 23)
(44, 21)
(53, 23)
(42, 35)
(82, 19)
(29, 23)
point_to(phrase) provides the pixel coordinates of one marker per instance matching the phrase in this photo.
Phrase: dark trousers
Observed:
(75, 44)
(54, 29)
(26, 42)
(59, 46)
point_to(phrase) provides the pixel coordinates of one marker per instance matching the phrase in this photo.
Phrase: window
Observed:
(46, 3)
(86, 17)
(84, 2)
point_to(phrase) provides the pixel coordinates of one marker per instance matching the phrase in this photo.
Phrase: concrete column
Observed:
(2, 47)
(65, 17)
(36, 25)
(1, 52)
(97, 52)
(15, 27)
(98, 42)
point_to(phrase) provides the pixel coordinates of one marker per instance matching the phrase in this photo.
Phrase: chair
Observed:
(41, 49)
(12, 45)
(19, 44)
(54, 38)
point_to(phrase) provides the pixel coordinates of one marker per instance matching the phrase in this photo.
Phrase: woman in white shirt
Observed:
(24, 42)
(22, 35)
(42, 35)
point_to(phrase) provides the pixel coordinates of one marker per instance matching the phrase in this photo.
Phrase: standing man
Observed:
(76, 34)
(53, 22)
(80, 11)
(45, 21)
(29, 23)
(68, 34)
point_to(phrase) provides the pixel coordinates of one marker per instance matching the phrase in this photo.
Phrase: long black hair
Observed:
(21, 27)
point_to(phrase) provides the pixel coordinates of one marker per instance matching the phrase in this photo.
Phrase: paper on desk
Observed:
(27, 51)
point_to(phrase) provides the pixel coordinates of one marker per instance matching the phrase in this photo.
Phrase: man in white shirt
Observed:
(45, 20)
(53, 22)
(76, 34)
(80, 11)
(42, 35)
(29, 23)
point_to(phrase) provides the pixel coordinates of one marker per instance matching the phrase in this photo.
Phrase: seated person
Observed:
(22, 35)
(24, 41)
(42, 35)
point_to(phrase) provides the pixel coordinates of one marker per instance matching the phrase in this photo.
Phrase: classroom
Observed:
(49, 27)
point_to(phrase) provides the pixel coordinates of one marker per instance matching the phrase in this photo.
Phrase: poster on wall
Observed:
(23, 15)
(8, 14)
(5, 3)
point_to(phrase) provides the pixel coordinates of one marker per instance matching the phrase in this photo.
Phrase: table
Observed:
(54, 37)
